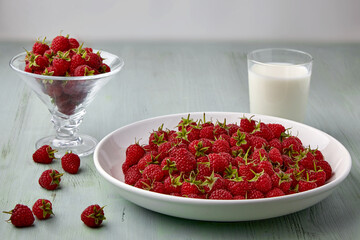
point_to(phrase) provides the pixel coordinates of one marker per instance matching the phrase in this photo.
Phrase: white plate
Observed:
(110, 154)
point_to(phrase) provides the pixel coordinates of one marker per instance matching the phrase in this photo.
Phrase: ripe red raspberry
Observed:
(73, 43)
(153, 172)
(42, 209)
(172, 184)
(207, 132)
(217, 162)
(83, 70)
(213, 182)
(40, 47)
(168, 166)
(60, 43)
(45, 154)
(77, 59)
(93, 60)
(262, 130)
(221, 194)
(70, 162)
(258, 142)
(38, 63)
(262, 182)
(185, 161)
(282, 180)
(220, 145)
(93, 216)
(276, 129)
(61, 62)
(51, 71)
(324, 165)
(132, 175)
(247, 124)
(134, 153)
(104, 68)
(275, 156)
(21, 216)
(200, 147)
(188, 187)
(275, 192)
(305, 185)
(318, 176)
(147, 159)
(238, 186)
(50, 179)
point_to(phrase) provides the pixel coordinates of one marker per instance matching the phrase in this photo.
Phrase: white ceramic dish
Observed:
(110, 154)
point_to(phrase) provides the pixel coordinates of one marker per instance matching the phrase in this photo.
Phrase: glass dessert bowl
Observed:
(66, 99)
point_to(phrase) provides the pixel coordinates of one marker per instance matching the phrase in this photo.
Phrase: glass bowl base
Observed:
(82, 145)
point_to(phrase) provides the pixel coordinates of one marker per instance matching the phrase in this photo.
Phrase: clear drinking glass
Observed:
(279, 81)
(66, 98)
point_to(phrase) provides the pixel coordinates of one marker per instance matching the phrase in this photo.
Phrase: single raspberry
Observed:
(62, 62)
(207, 132)
(217, 162)
(132, 175)
(153, 172)
(70, 162)
(73, 43)
(324, 165)
(173, 184)
(40, 46)
(42, 209)
(50, 179)
(83, 70)
(262, 130)
(93, 60)
(306, 185)
(21, 216)
(247, 124)
(134, 153)
(93, 216)
(200, 147)
(185, 161)
(276, 129)
(104, 68)
(60, 43)
(258, 142)
(262, 182)
(221, 194)
(77, 59)
(275, 156)
(220, 145)
(275, 192)
(189, 187)
(45, 154)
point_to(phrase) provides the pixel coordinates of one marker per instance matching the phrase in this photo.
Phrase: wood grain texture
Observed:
(166, 78)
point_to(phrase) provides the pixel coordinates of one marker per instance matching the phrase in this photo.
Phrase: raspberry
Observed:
(221, 194)
(93, 216)
(153, 172)
(50, 179)
(134, 153)
(45, 154)
(21, 216)
(217, 162)
(70, 162)
(60, 43)
(42, 209)
(132, 175)
(220, 145)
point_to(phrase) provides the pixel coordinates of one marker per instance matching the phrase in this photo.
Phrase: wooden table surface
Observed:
(167, 78)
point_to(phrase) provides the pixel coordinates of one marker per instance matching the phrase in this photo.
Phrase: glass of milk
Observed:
(279, 81)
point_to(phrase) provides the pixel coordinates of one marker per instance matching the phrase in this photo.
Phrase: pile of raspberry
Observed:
(64, 56)
(209, 160)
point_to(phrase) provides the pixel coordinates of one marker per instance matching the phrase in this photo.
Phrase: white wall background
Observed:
(244, 20)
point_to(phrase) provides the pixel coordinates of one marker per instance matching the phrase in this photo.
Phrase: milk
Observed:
(279, 89)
